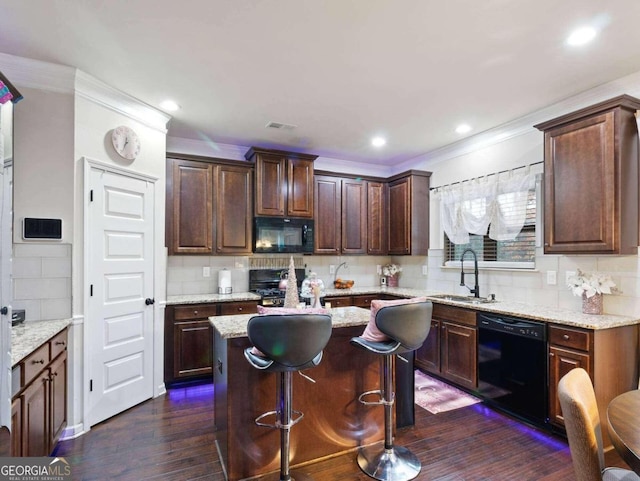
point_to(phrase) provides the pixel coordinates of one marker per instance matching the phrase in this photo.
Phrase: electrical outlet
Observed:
(552, 278)
(332, 269)
(424, 270)
(206, 271)
(568, 275)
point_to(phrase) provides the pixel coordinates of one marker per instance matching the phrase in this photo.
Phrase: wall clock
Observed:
(125, 142)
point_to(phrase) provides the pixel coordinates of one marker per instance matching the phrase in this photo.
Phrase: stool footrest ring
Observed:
(380, 400)
(278, 424)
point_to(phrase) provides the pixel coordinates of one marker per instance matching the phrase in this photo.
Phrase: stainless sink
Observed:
(465, 299)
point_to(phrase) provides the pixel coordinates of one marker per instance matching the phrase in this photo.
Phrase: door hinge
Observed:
(91, 385)
(91, 290)
(91, 195)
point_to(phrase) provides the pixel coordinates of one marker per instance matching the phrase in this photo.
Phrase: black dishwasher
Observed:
(512, 365)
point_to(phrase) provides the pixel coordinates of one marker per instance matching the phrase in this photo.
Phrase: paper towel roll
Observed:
(224, 281)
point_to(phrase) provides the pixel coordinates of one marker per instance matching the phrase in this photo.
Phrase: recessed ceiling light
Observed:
(378, 141)
(169, 105)
(581, 36)
(463, 128)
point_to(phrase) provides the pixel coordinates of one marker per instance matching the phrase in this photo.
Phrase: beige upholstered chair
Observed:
(582, 422)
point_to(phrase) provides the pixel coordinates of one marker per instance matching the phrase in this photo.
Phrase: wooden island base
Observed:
(334, 421)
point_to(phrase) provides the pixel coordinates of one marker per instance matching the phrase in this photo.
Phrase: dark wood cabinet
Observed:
(39, 409)
(591, 180)
(233, 209)
(408, 232)
(189, 350)
(209, 206)
(350, 215)
(284, 183)
(376, 218)
(451, 349)
(189, 207)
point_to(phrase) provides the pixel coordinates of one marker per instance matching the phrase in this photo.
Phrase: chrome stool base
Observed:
(395, 464)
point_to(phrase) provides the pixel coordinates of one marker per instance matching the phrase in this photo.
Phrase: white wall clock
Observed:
(126, 142)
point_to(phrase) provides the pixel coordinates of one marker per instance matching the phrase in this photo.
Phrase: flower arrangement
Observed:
(391, 270)
(591, 284)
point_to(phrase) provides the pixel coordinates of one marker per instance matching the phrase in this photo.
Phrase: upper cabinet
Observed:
(591, 180)
(209, 206)
(284, 183)
(350, 215)
(408, 232)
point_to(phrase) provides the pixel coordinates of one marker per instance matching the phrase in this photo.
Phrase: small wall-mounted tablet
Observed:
(42, 228)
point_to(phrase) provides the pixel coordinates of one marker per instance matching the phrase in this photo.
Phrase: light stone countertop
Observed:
(204, 298)
(30, 335)
(236, 326)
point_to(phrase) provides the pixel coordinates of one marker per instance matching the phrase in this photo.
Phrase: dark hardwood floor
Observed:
(172, 438)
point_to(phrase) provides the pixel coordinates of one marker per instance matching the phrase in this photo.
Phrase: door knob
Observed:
(148, 301)
(4, 310)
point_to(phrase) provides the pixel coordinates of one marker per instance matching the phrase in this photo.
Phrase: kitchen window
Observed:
(494, 247)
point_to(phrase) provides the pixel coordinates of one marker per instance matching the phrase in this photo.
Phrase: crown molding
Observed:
(206, 148)
(94, 90)
(35, 74)
(629, 84)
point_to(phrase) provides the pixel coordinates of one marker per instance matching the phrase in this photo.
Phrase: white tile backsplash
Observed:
(41, 277)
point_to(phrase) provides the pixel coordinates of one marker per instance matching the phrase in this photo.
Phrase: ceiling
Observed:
(340, 71)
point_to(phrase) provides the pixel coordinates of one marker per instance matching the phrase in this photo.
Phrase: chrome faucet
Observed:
(335, 274)
(476, 289)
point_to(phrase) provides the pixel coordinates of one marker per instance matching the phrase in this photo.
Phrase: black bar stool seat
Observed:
(407, 326)
(286, 343)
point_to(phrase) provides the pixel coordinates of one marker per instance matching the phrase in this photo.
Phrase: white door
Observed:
(120, 315)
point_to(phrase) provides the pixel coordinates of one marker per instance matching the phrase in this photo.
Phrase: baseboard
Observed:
(72, 432)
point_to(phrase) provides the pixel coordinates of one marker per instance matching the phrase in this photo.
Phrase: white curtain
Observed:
(497, 201)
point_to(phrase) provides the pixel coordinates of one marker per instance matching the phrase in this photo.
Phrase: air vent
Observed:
(279, 126)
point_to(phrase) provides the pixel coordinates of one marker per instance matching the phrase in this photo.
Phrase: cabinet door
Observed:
(58, 405)
(16, 428)
(428, 356)
(193, 346)
(35, 417)
(400, 217)
(376, 218)
(354, 216)
(561, 361)
(270, 184)
(580, 170)
(459, 354)
(299, 188)
(234, 213)
(190, 207)
(327, 205)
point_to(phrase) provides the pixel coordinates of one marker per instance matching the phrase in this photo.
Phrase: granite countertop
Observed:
(204, 298)
(29, 336)
(236, 325)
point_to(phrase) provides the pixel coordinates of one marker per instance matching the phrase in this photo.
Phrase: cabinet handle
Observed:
(40, 361)
(195, 313)
(240, 309)
(60, 343)
(551, 354)
(565, 337)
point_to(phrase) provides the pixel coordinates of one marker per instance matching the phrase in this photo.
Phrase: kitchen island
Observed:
(334, 421)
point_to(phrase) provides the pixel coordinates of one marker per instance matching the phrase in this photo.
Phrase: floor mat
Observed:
(436, 396)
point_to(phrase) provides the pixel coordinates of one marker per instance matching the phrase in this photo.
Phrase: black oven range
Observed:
(267, 282)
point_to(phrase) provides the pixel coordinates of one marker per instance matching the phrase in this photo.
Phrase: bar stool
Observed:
(287, 343)
(407, 326)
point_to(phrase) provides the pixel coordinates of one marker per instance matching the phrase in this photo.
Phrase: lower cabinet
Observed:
(189, 338)
(450, 350)
(39, 410)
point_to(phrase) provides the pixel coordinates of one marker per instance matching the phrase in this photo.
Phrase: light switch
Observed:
(206, 271)
(552, 278)
(424, 270)
(568, 275)
(332, 269)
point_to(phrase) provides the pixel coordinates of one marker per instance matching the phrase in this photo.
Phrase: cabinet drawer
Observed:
(231, 308)
(340, 301)
(196, 311)
(34, 363)
(457, 314)
(58, 344)
(573, 338)
(364, 301)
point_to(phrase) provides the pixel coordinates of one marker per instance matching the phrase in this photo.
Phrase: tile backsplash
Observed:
(41, 277)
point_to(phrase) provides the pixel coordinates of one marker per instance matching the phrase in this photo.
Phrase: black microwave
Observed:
(275, 234)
